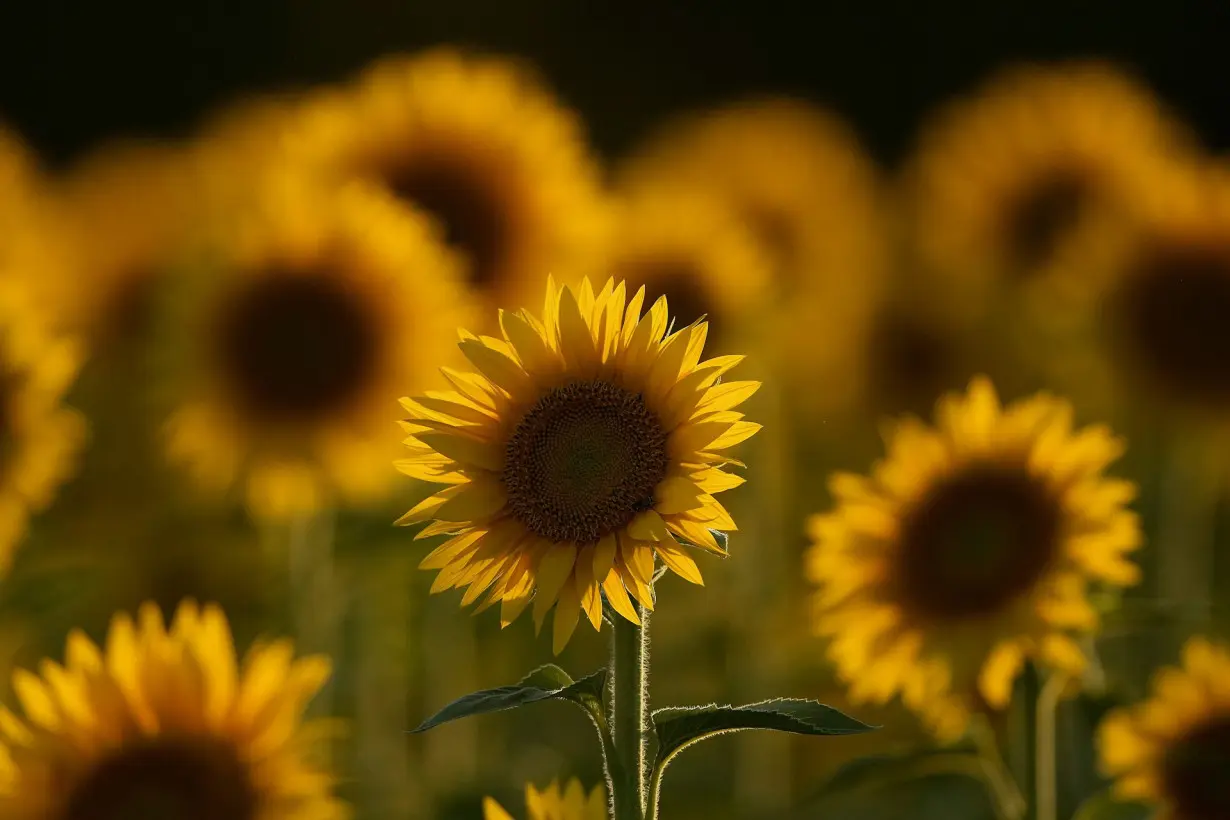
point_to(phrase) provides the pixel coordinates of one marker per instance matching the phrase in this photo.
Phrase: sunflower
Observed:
(165, 723)
(801, 181)
(552, 804)
(1001, 183)
(123, 211)
(585, 445)
(39, 436)
(30, 250)
(693, 249)
(482, 147)
(1172, 749)
(286, 337)
(968, 550)
(1140, 319)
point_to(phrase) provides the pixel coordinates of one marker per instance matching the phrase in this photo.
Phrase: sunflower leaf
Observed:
(1104, 806)
(678, 728)
(547, 682)
(723, 541)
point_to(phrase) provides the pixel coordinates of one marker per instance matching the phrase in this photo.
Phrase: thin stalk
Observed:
(315, 594)
(629, 675)
(1010, 803)
(1045, 772)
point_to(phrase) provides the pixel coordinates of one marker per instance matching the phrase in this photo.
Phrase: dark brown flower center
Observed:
(165, 778)
(678, 280)
(296, 348)
(976, 541)
(584, 461)
(911, 364)
(467, 206)
(1172, 322)
(1194, 772)
(1042, 215)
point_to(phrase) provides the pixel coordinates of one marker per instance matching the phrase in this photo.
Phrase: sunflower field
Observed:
(435, 428)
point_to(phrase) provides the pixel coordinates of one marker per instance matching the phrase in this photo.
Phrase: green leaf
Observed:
(722, 538)
(1103, 806)
(547, 682)
(678, 728)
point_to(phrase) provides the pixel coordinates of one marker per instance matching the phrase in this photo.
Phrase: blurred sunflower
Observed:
(799, 178)
(585, 445)
(482, 147)
(1141, 318)
(1003, 182)
(693, 249)
(1173, 749)
(289, 334)
(124, 211)
(165, 723)
(552, 804)
(29, 244)
(968, 550)
(39, 436)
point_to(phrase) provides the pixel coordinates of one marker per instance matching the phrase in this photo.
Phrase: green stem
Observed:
(1010, 804)
(630, 714)
(1045, 798)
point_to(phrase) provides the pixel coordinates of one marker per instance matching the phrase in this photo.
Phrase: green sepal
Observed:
(678, 728)
(547, 682)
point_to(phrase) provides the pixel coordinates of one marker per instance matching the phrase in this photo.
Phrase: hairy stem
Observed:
(1045, 799)
(629, 718)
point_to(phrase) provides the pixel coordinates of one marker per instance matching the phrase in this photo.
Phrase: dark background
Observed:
(75, 71)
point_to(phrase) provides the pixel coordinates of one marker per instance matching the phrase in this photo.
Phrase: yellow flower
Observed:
(692, 248)
(39, 436)
(1171, 749)
(124, 211)
(286, 339)
(29, 245)
(586, 444)
(165, 723)
(1002, 182)
(968, 550)
(551, 804)
(800, 179)
(483, 148)
(1140, 317)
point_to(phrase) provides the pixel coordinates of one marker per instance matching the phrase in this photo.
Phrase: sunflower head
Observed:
(552, 803)
(799, 180)
(968, 550)
(583, 446)
(1003, 182)
(1173, 749)
(39, 436)
(166, 722)
(692, 247)
(124, 211)
(1141, 310)
(481, 147)
(285, 337)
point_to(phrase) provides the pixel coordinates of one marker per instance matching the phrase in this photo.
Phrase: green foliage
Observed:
(1104, 806)
(680, 727)
(547, 682)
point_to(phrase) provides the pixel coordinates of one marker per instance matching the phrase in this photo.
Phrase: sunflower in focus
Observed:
(801, 181)
(552, 804)
(969, 550)
(1142, 316)
(39, 436)
(583, 447)
(163, 722)
(1002, 183)
(1173, 749)
(287, 336)
(124, 212)
(480, 146)
(693, 249)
